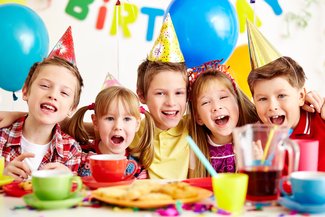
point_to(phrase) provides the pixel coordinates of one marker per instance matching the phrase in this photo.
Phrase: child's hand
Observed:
(55, 166)
(322, 112)
(7, 118)
(314, 102)
(257, 150)
(18, 169)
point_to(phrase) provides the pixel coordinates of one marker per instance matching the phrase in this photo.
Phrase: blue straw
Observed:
(201, 156)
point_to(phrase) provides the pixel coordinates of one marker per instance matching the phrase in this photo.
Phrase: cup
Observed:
(54, 184)
(2, 165)
(307, 187)
(111, 167)
(308, 154)
(260, 151)
(230, 191)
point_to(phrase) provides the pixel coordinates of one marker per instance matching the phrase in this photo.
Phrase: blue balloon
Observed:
(206, 30)
(24, 40)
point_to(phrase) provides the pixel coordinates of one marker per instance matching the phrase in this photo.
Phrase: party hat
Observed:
(166, 47)
(260, 49)
(64, 47)
(110, 81)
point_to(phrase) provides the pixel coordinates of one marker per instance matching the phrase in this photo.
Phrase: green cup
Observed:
(54, 184)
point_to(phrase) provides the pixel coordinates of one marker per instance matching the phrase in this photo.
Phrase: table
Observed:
(7, 204)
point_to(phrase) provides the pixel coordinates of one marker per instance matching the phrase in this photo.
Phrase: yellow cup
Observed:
(230, 191)
(2, 165)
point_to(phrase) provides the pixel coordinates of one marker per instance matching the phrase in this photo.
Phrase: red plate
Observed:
(205, 183)
(14, 190)
(91, 183)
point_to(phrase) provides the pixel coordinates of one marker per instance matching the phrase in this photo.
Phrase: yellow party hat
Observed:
(166, 47)
(260, 49)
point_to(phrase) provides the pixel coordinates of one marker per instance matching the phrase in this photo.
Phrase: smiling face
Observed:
(116, 128)
(166, 99)
(50, 97)
(277, 102)
(218, 110)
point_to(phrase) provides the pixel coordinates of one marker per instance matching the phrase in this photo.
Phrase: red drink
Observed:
(263, 185)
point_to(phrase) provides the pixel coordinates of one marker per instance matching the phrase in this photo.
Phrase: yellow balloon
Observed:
(22, 2)
(240, 67)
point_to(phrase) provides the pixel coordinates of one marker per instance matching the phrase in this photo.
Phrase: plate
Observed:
(4, 180)
(33, 201)
(14, 190)
(205, 183)
(91, 183)
(202, 194)
(303, 208)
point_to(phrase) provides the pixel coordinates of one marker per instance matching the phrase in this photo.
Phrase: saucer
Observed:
(4, 180)
(91, 183)
(33, 201)
(14, 190)
(290, 203)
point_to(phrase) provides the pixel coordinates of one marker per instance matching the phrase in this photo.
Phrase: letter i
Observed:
(101, 16)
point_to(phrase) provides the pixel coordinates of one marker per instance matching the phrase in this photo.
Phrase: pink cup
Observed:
(308, 154)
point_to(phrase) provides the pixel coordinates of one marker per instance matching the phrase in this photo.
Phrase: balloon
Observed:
(206, 30)
(240, 67)
(246, 12)
(24, 40)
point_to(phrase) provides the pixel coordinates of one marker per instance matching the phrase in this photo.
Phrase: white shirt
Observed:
(38, 150)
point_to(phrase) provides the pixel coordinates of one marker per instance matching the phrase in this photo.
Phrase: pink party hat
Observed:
(110, 81)
(64, 47)
(166, 47)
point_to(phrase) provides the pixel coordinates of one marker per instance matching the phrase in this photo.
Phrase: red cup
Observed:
(110, 167)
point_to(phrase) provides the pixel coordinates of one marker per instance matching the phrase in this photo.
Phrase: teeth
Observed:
(220, 117)
(170, 113)
(49, 107)
(275, 116)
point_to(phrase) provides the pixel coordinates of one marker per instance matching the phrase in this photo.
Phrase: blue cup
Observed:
(307, 187)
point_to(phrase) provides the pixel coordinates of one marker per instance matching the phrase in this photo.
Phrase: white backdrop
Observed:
(98, 52)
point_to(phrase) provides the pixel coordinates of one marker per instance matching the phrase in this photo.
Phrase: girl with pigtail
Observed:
(116, 119)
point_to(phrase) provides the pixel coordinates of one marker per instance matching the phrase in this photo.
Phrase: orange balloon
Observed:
(240, 67)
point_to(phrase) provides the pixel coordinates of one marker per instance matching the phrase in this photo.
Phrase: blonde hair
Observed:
(35, 70)
(247, 111)
(103, 101)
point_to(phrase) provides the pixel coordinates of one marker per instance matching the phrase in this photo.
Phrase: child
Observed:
(163, 89)
(162, 86)
(277, 86)
(217, 107)
(52, 91)
(278, 93)
(116, 119)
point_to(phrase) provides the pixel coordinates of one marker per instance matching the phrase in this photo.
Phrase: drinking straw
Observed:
(271, 156)
(268, 143)
(201, 156)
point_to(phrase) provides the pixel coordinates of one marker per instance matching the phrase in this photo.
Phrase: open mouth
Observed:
(222, 120)
(117, 140)
(277, 119)
(170, 113)
(49, 107)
